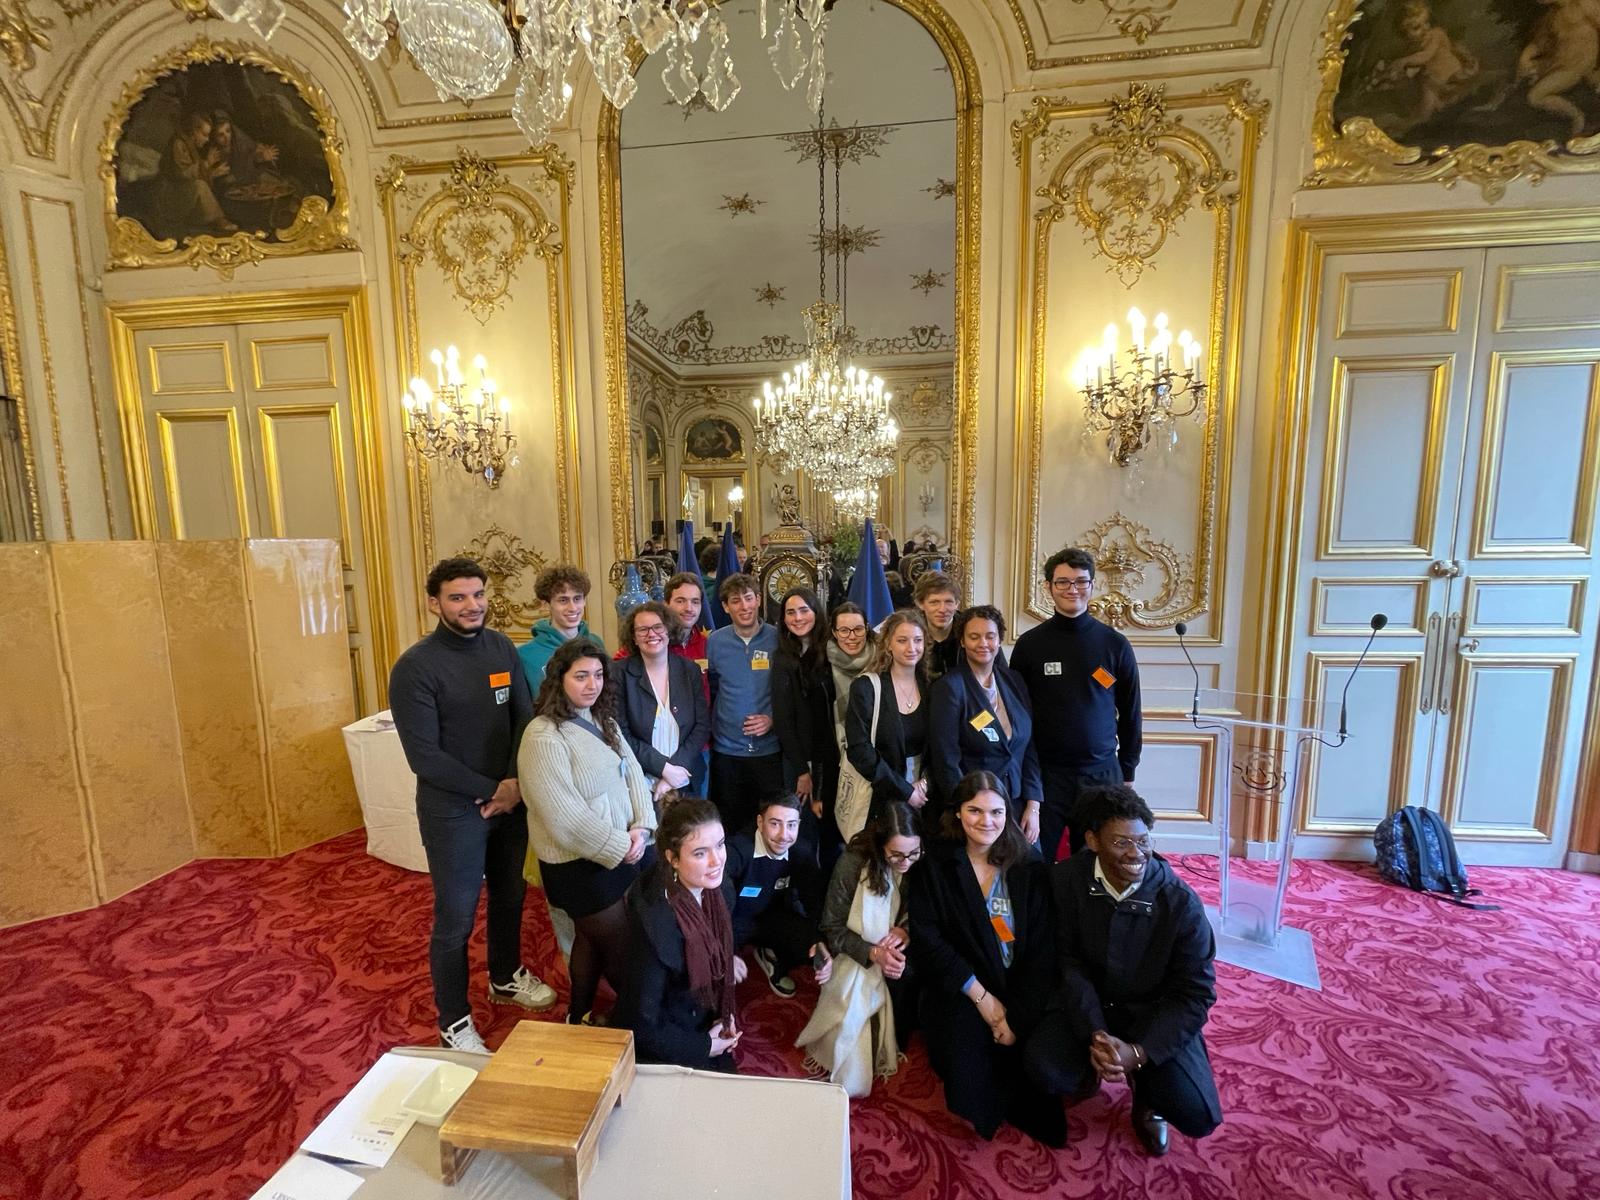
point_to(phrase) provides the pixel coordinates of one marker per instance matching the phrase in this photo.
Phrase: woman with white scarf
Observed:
(849, 651)
(852, 1034)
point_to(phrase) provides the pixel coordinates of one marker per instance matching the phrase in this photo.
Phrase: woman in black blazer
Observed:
(892, 762)
(656, 684)
(800, 715)
(677, 996)
(980, 720)
(982, 945)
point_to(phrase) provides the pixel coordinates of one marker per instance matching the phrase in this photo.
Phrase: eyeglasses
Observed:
(897, 859)
(1072, 585)
(847, 631)
(1122, 845)
(649, 631)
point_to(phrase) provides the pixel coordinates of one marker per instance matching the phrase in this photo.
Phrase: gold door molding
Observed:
(1143, 135)
(1326, 673)
(964, 77)
(11, 355)
(346, 305)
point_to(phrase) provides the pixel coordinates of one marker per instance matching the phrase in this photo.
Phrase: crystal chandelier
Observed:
(829, 420)
(467, 47)
(467, 425)
(1149, 396)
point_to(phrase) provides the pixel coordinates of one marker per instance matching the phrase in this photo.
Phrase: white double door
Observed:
(1452, 468)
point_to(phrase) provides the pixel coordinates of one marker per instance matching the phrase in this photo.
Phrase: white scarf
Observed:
(851, 1033)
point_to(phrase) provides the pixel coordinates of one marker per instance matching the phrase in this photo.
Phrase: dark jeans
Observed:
(738, 783)
(1057, 1062)
(464, 851)
(1062, 787)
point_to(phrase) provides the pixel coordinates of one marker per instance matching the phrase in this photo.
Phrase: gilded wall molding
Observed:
(1128, 557)
(10, 349)
(1136, 20)
(318, 226)
(1153, 130)
(511, 568)
(1357, 151)
(46, 360)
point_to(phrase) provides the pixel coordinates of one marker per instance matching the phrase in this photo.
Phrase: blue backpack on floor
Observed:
(1416, 851)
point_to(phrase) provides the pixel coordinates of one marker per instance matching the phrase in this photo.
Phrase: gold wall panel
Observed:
(1343, 605)
(296, 593)
(1543, 417)
(1390, 407)
(1539, 297)
(1507, 793)
(191, 369)
(213, 680)
(202, 465)
(1363, 781)
(131, 754)
(286, 364)
(1105, 192)
(1398, 303)
(1544, 605)
(45, 865)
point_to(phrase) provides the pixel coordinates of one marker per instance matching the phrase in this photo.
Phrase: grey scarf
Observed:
(845, 670)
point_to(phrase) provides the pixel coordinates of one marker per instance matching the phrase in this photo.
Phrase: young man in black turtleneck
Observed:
(1084, 683)
(460, 702)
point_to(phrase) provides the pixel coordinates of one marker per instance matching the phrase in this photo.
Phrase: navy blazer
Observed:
(669, 1025)
(687, 693)
(956, 747)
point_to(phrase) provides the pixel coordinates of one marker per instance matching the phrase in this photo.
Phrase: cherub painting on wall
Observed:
(221, 155)
(1518, 81)
(713, 439)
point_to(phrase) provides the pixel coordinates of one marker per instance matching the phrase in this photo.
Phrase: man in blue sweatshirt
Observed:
(564, 590)
(460, 702)
(1083, 681)
(746, 761)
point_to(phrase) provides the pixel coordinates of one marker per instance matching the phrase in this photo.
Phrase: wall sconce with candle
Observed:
(1143, 401)
(451, 421)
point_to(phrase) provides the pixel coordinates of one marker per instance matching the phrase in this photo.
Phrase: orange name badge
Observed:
(500, 679)
(1103, 677)
(1002, 930)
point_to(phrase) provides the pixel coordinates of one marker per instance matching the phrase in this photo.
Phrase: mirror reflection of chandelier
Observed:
(456, 423)
(826, 418)
(467, 48)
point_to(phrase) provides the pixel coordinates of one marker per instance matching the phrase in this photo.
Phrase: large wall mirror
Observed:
(721, 254)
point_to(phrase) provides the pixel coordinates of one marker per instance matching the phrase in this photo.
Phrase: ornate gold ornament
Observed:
(926, 403)
(22, 35)
(317, 226)
(1357, 151)
(1130, 560)
(506, 560)
(1133, 20)
(477, 230)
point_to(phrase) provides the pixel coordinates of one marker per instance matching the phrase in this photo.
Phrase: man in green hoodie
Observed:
(564, 590)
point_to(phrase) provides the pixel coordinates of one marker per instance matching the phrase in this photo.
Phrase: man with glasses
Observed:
(1083, 681)
(1135, 974)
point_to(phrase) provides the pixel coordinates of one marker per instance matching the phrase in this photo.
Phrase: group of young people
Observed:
(949, 842)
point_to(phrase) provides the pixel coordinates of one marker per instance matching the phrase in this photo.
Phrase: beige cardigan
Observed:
(580, 804)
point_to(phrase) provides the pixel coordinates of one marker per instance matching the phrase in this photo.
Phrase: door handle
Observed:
(1430, 662)
(1449, 652)
(1445, 568)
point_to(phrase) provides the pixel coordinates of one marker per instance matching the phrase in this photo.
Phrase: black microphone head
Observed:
(1182, 627)
(1379, 620)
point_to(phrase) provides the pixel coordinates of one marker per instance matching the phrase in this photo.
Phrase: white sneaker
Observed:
(525, 991)
(463, 1036)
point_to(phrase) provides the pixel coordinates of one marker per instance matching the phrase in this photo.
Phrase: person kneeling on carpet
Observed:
(677, 996)
(1136, 977)
(765, 886)
(862, 1015)
(983, 945)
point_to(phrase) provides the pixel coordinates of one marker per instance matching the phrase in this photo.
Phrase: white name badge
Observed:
(1052, 668)
(501, 695)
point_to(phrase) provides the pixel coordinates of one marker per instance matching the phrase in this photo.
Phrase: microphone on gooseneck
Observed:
(1181, 628)
(1379, 620)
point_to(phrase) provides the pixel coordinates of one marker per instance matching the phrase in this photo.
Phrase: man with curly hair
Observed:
(564, 590)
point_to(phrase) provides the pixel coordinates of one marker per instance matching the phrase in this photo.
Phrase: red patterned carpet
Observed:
(179, 1042)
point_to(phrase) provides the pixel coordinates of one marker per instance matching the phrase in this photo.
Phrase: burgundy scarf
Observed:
(707, 946)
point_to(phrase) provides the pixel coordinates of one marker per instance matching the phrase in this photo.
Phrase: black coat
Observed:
(952, 939)
(956, 747)
(1141, 968)
(669, 1025)
(803, 881)
(881, 761)
(802, 717)
(687, 693)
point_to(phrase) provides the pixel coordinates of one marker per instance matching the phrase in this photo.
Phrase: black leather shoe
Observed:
(1152, 1131)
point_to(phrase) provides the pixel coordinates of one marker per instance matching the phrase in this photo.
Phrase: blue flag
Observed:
(868, 587)
(727, 564)
(690, 565)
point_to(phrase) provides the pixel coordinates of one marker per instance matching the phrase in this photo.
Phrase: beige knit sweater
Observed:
(582, 798)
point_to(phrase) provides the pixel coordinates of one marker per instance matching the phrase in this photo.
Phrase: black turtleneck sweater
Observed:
(1082, 721)
(460, 705)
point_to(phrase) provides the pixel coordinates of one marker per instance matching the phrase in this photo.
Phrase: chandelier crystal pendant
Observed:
(453, 422)
(1145, 400)
(467, 48)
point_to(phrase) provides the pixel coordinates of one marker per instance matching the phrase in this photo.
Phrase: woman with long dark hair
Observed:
(678, 994)
(985, 958)
(799, 705)
(852, 1034)
(589, 811)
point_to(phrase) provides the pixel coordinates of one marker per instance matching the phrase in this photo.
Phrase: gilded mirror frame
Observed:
(957, 52)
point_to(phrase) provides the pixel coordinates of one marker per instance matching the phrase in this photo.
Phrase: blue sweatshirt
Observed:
(741, 682)
(547, 639)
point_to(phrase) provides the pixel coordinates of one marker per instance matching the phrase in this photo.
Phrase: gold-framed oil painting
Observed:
(219, 155)
(1482, 90)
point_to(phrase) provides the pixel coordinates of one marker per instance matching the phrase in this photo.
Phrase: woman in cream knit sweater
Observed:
(590, 815)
